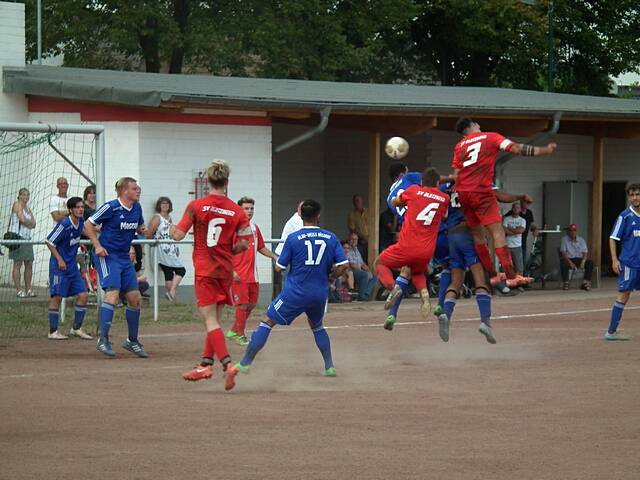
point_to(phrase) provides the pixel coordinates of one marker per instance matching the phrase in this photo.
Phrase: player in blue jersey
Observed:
(627, 231)
(120, 220)
(315, 257)
(402, 179)
(64, 275)
(463, 256)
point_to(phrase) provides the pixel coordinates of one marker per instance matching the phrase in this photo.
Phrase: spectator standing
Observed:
(358, 223)
(365, 280)
(168, 253)
(293, 225)
(22, 222)
(58, 203)
(514, 226)
(89, 198)
(573, 250)
(527, 214)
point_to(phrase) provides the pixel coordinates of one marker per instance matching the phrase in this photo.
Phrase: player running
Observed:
(315, 257)
(217, 222)
(245, 288)
(64, 275)
(425, 207)
(474, 159)
(627, 231)
(120, 219)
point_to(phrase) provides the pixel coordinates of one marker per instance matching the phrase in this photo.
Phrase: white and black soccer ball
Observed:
(396, 148)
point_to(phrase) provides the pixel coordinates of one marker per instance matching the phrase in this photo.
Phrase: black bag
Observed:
(12, 236)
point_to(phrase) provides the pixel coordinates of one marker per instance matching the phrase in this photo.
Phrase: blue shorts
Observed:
(285, 309)
(116, 273)
(629, 279)
(461, 250)
(65, 284)
(441, 255)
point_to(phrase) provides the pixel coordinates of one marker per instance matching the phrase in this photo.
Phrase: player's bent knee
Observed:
(82, 299)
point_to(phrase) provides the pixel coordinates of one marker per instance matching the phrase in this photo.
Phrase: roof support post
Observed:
(595, 228)
(324, 121)
(374, 198)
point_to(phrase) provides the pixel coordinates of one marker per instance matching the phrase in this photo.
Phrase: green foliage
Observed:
(501, 43)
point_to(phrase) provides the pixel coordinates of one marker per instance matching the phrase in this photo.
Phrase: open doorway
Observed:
(614, 201)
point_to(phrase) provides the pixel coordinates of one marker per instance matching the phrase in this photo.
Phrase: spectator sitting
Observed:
(365, 281)
(358, 223)
(346, 281)
(514, 226)
(58, 203)
(573, 250)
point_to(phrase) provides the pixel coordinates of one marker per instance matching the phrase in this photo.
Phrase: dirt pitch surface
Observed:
(551, 400)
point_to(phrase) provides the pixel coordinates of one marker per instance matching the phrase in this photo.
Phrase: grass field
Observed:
(551, 400)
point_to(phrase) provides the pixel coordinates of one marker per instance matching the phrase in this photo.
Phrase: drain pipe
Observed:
(324, 121)
(502, 161)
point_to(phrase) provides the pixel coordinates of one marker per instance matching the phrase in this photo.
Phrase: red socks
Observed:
(385, 276)
(240, 322)
(504, 255)
(482, 249)
(419, 281)
(215, 343)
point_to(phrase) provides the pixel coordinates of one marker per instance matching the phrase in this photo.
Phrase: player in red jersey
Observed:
(217, 223)
(474, 159)
(426, 207)
(245, 287)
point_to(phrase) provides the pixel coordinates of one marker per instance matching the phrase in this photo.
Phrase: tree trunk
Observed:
(149, 45)
(181, 17)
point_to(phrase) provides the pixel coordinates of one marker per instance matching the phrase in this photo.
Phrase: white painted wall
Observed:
(13, 108)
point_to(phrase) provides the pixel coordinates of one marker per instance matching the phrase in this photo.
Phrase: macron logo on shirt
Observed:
(128, 225)
(636, 233)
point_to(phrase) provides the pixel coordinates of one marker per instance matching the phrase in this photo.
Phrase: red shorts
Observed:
(480, 208)
(245, 293)
(397, 256)
(211, 291)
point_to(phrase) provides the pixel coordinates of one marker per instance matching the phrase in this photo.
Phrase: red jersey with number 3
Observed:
(215, 220)
(426, 207)
(245, 263)
(475, 157)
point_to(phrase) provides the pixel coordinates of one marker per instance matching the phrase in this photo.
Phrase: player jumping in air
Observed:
(121, 219)
(627, 231)
(425, 207)
(245, 288)
(217, 222)
(64, 275)
(474, 159)
(315, 257)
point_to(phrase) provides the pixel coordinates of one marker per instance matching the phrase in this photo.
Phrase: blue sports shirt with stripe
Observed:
(627, 231)
(119, 226)
(408, 179)
(311, 253)
(65, 236)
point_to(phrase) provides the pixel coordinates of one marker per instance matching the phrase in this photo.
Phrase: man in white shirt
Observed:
(573, 250)
(514, 225)
(293, 225)
(58, 203)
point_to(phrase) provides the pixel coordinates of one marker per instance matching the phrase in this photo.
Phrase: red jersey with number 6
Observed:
(215, 220)
(426, 207)
(475, 157)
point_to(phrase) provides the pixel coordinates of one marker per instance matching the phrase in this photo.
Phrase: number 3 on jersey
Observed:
(473, 151)
(214, 230)
(314, 261)
(428, 213)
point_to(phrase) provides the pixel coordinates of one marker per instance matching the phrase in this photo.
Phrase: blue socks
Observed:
(78, 318)
(324, 345)
(616, 315)
(105, 316)
(403, 283)
(449, 305)
(258, 340)
(133, 322)
(445, 281)
(54, 317)
(484, 305)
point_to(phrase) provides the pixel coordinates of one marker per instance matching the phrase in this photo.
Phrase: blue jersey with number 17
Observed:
(311, 253)
(408, 179)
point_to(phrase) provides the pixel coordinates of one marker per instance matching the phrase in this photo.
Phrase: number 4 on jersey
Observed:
(428, 213)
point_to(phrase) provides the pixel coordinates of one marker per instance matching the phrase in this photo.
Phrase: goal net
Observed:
(33, 162)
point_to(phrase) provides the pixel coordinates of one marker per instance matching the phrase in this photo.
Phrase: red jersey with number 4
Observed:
(215, 220)
(244, 263)
(426, 207)
(475, 157)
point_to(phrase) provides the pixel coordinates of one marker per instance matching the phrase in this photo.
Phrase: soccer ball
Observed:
(397, 148)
